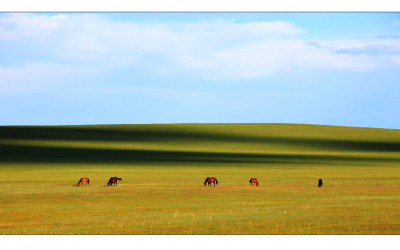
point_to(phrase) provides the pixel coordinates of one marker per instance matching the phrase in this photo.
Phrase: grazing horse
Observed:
(320, 183)
(210, 180)
(253, 180)
(113, 180)
(82, 180)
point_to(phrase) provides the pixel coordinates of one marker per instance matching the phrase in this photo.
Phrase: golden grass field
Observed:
(163, 168)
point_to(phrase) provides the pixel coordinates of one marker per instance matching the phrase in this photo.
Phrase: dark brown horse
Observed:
(82, 180)
(253, 180)
(210, 180)
(113, 180)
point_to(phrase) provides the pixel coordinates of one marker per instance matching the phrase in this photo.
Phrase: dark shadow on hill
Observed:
(23, 154)
(162, 134)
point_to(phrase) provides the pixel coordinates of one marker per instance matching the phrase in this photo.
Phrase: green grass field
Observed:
(163, 168)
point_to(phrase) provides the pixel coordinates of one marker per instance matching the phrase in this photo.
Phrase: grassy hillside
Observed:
(281, 143)
(163, 168)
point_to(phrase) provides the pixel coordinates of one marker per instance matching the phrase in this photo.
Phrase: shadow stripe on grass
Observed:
(15, 153)
(164, 134)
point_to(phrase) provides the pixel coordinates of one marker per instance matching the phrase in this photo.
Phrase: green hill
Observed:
(258, 143)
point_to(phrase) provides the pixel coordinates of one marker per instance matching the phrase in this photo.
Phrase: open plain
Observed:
(163, 167)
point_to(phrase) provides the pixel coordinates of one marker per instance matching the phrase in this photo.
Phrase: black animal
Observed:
(320, 183)
(113, 180)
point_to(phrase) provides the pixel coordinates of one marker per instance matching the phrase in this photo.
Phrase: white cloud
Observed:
(377, 46)
(23, 26)
(396, 59)
(210, 49)
(35, 76)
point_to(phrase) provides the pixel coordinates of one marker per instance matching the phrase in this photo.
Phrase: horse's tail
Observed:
(119, 179)
(88, 181)
(79, 182)
(216, 181)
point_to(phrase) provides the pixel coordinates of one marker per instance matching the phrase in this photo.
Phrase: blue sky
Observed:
(114, 68)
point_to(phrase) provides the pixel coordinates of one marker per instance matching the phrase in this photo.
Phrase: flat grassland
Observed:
(163, 167)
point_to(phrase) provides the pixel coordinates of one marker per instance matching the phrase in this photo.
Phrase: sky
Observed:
(141, 68)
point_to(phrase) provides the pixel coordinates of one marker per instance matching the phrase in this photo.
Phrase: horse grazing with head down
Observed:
(113, 180)
(210, 180)
(253, 180)
(82, 180)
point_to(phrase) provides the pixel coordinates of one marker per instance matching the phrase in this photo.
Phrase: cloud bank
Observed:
(210, 49)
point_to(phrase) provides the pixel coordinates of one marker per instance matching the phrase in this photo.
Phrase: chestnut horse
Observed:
(82, 180)
(210, 180)
(253, 180)
(113, 180)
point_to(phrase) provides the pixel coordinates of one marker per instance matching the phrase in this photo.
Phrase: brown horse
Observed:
(82, 180)
(210, 180)
(113, 180)
(253, 180)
